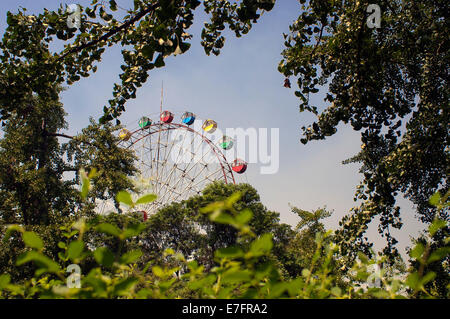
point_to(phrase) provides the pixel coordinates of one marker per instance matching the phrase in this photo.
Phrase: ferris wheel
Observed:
(179, 159)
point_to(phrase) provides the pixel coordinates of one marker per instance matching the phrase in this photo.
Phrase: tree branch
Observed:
(112, 32)
(67, 136)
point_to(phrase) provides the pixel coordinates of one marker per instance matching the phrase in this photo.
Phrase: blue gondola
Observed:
(188, 118)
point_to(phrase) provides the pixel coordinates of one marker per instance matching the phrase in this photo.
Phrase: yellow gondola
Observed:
(209, 126)
(124, 134)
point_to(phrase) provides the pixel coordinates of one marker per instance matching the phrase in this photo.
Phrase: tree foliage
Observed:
(149, 33)
(241, 272)
(392, 84)
(31, 164)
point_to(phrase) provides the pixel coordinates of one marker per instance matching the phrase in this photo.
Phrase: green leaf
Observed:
(90, 13)
(125, 198)
(166, 284)
(5, 279)
(222, 218)
(113, 5)
(435, 199)
(39, 259)
(94, 280)
(92, 173)
(436, 225)
(262, 245)
(108, 229)
(131, 257)
(439, 254)
(133, 231)
(159, 62)
(85, 183)
(147, 52)
(427, 278)
(146, 199)
(336, 291)
(104, 256)
(158, 271)
(364, 259)
(234, 198)
(413, 280)
(124, 286)
(75, 249)
(169, 251)
(62, 256)
(295, 286)
(277, 289)
(229, 252)
(236, 276)
(32, 240)
(244, 217)
(417, 251)
(205, 282)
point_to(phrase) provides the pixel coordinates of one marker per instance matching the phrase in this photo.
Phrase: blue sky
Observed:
(239, 88)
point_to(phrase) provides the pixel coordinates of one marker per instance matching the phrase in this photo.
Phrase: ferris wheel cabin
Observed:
(209, 126)
(226, 142)
(124, 134)
(145, 122)
(188, 118)
(166, 117)
(239, 166)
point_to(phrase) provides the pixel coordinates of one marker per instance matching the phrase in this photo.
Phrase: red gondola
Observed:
(166, 117)
(144, 215)
(239, 166)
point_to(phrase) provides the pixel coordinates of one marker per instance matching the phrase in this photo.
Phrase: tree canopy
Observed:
(390, 83)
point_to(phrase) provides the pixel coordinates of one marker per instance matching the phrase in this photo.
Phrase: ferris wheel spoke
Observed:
(194, 154)
(170, 173)
(198, 189)
(202, 162)
(189, 186)
(184, 180)
(175, 166)
(208, 176)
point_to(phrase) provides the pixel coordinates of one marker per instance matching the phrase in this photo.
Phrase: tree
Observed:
(303, 245)
(31, 165)
(430, 253)
(183, 227)
(392, 84)
(33, 162)
(98, 148)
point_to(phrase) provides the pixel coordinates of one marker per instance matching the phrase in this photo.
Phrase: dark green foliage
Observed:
(98, 147)
(202, 236)
(31, 164)
(392, 84)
